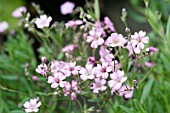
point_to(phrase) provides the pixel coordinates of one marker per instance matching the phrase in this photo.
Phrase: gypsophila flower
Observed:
(116, 40)
(42, 69)
(71, 89)
(106, 55)
(95, 38)
(109, 24)
(87, 73)
(43, 59)
(69, 48)
(67, 8)
(3, 26)
(98, 85)
(126, 92)
(19, 12)
(73, 23)
(43, 21)
(117, 80)
(103, 70)
(32, 105)
(56, 80)
(138, 41)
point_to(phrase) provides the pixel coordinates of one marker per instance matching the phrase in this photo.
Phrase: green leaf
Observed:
(127, 110)
(168, 28)
(97, 9)
(9, 77)
(95, 100)
(147, 89)
(141, 110)
(17, 111)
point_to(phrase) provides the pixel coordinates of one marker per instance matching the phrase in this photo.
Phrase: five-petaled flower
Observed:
(117, 80)
(32, 105)
(43, 21)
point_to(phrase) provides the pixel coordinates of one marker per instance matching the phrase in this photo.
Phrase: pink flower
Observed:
(149, 64)
(126, 92)
(69, 48)
(102, 70)
(72, 23)
(130, 48)
(3, 26)
(87, 73)
(42, 69)
(109, 24)
(153, 49)
(95, 38)
(43, 21)
(43, 59)
(91, 60)
(34, 78)
(106, 55)
(67, 8)
(116, 40)
(99, 27)
(32, 105)
(71, 68)
(19, 12)
(117, 80)
(71, 89)
(138, 40)
(98, 85)
(57, 66)
(56, 80)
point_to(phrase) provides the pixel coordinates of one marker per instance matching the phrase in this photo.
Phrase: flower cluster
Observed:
(103, 52)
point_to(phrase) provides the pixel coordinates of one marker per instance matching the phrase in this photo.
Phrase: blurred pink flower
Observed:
(69, 48)
(95, 38)
(73, 23)
(34, 78)
(117, 80)
(99, 27)
(42, 69)
(106, 55)
(3, 26)
(32, 105)
(116, 40)
(71, 89)
(43, 21)
(67, 8)
(109, 24)
(43, 59)
(153, 49)
(126, 91)
(19, 12)
(98, 85)
(149, 64)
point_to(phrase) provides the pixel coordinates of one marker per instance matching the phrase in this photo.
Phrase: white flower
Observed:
(67, 8)
(3, 26)
(32, 105)
(43, 21)
(18, 12)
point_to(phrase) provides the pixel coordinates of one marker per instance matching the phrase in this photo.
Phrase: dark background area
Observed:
(110, 8)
